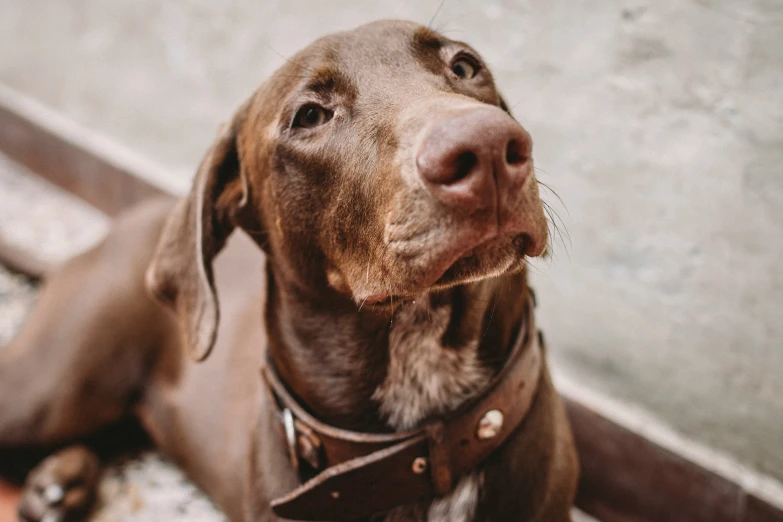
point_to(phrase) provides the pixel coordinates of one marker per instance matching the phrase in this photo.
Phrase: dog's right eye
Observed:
(465, 67)
(311, 115)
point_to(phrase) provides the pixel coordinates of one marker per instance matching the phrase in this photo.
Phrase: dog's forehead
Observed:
(381, 43)
(374, 54)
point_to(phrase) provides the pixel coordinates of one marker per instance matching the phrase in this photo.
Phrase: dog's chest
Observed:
(426, 379)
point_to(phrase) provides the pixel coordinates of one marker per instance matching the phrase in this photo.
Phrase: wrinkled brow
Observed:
(425, 39)
(325, 80)
(426, 45)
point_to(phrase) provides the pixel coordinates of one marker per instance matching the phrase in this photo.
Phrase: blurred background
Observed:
(658, 123)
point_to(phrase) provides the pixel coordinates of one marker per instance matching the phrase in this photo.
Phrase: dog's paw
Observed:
(61, 488)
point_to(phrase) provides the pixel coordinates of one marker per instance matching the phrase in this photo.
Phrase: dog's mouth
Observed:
(425, 248)
(488, 259)
(492, 257)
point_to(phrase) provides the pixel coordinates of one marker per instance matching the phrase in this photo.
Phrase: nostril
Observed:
(515, 153)
(463, 165)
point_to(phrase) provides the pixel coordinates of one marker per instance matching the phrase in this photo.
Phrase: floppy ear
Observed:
(180, 273)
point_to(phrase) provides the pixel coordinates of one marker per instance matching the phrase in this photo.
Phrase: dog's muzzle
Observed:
(359, 474)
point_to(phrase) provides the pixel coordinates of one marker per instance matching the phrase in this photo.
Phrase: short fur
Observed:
(381, 301)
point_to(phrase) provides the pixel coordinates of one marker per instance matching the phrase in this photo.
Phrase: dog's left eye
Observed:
(311, 115)
(465, 67)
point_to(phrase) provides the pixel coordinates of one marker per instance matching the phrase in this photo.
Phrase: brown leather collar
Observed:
(367, 473)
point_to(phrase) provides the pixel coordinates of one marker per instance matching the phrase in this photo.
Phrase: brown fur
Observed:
(381, 306)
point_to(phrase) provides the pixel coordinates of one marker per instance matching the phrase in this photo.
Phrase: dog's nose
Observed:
(468, 159)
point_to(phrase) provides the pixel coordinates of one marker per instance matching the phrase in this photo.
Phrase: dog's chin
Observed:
(491, 258)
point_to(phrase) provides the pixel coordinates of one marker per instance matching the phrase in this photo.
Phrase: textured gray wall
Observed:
(659, 123)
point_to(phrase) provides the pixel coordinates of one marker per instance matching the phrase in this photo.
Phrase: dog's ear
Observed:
(180, 274)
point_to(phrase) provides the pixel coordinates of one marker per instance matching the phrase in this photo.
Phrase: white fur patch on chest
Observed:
(457, 506)
(426, 379)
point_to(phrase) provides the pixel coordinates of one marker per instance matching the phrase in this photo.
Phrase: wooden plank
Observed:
(757, 510)
(626, 478)
(97, 170)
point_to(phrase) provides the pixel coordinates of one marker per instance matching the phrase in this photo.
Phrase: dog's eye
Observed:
(311, 115)
(465, 67)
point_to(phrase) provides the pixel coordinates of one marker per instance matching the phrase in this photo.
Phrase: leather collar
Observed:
(366, 473)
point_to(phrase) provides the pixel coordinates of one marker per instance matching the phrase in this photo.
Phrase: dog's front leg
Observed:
(61, 488)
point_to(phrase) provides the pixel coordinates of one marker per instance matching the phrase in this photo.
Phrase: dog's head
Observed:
(376, 165)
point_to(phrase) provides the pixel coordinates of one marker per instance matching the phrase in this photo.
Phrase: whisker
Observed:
(550, 189)
(562, 227)
(494, 305)
(299, 65)
(294, 77)
(551, 210)
(533, 267)
(555, 221)
(437, 11)
(555, 232)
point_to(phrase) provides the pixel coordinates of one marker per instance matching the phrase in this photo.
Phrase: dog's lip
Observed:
(445, 281)
(439, 279)
(392, 300)
(384, 301)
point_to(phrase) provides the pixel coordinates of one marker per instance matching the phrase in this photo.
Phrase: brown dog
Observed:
(394, 200)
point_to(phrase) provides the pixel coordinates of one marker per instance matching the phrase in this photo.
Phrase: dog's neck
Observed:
(393, 369)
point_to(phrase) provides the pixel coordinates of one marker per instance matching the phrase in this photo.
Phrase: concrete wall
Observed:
(659, 123)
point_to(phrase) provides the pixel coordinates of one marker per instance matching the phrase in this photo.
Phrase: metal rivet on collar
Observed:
(54, 494)
(335, 494)
(290, 437)
(490, 425)
(419, 465)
